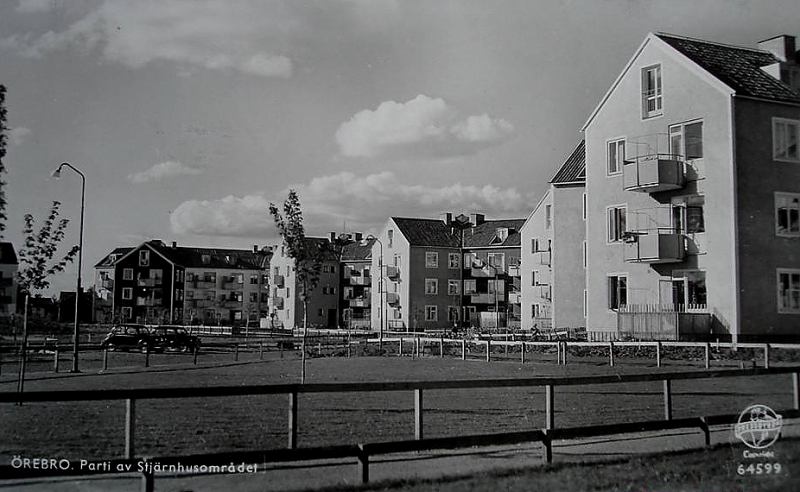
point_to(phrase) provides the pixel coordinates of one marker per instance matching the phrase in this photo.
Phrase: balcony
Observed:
(392, 298)
(652, 166)
(542, 258)
(277, 280)
(106, 283)
(654, 248)
(514, 271)
(485, 272)
(542, 291)
(232, 304)
(392, 272)
(200, 282)
(515, 298)
(362, 303)
(144, 301)
(362, 280)
(483, 298)
(146, 282)
(276, 302)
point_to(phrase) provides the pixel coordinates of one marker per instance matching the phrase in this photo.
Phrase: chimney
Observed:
(255, 248)
(476, 219)
(782, 47)
(446, 217)
(333, 237)
(358, 237)
(174, 244)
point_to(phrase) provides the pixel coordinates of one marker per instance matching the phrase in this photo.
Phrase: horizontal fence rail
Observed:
(363, 451)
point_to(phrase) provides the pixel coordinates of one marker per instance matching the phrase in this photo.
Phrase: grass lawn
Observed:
(94, 430)
(711, 470)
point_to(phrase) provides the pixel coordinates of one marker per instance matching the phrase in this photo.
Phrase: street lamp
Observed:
(57, 174)
(381, 311)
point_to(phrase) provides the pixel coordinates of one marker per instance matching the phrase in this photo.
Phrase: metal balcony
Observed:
(276, 302)
(106, 283)
(392, 272)
(654, 248)
(392, 298)
(542, 291)
(483, 298)
(542, 258)
(514, 271)
(362, 280)
(515, 298)
(146, 282)
(360, 303)
(653, 173)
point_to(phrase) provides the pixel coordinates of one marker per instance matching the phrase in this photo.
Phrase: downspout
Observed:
(735, 325)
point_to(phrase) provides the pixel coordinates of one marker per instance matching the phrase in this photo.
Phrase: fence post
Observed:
(441, 347)
(667, 399)
(550, 421)
(418, 419)
(105, 359)
(658, 354)
(506, 349)
(766, 356)
(522, 352)
(130, 428)
(236, 352)
(147, 358)
(363, 464)
(260, 350)
(400, 348)
(293, 420)
(148, 479)
(564, 352)
(55, 360)
(196, 350)
(463, 350)
(708, 354)
(796, 390)
(489, 350)
(610, 353)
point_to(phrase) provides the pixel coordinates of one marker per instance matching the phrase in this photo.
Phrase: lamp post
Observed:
(381, 311)
(57, 174)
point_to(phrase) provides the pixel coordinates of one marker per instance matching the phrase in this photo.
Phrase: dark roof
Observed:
(358, 252)
(7, 254)
(434, 232)
(739, 68)
(118, 252)
(324, 245)
(427, 232)
(574, 168)
(485, 234)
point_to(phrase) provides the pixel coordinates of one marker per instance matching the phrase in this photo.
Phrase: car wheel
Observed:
(111, 347)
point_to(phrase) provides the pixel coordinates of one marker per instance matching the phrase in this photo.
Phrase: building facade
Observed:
(356, 282)
(693, 183)
(8, 281)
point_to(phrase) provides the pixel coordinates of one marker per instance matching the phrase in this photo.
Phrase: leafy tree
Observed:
(3, 129)
(36, 264)
(307, 257)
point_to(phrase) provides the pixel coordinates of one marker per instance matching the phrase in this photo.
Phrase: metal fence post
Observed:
(260, 350)
(667, 399)
(463, 350)
(105, 359)
(148, 479)
(130, 428)
(236, 352)
(400, 348)
(418, 418)
(549, 397)
(293, 420)
(363, 465)
(708, 354)
(196, 351)
(441, 347)
(565, 352)
(610, 353)
(796, 390)
(55, 359)
(147, 357)
(658, 354)
(522, 352)
(766, 356)
(488, 350)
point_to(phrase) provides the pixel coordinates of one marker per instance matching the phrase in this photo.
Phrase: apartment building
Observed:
(445, 273)
(285, 304)
(356, 283)
(693, 192)
(156, 283)
(553, 253)
(8, 282)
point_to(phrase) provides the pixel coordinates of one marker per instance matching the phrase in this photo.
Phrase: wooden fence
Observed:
(362, 452)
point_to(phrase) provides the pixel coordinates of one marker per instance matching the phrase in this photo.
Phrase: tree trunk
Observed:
(303, 344)
(24, 350)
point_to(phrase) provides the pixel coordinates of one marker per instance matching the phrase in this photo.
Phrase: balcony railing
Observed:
(276, 302)
(542, 258)
(652, 167)
(392, 298)
(277, 280)
(106, 283)
(654, 247)
(542, 291)
(483, 298)
(201, 303)
(362, 280)
(146, 282)
(360, 303)
(515, 298)
(392, 272)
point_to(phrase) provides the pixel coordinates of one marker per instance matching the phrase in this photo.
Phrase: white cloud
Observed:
(363, 202)
(205, 33)
(33, 6)
(421, 127)
(164, 170)
(18, 135)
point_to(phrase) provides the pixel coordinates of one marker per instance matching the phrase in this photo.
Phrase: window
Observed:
(785, 137)
(452, 261)
(239, 278)
(585, 255)
(652, 102)
(687, 218)
(254, 297)
(689, 289)
(583, 208)
(144, 258)
(127, 274)
(534, 245)
(616, 223)
(127, 293)
(617, 291)
(431, 286)
(687, 140)
(470, 287)
(320, 312)
(496, 287)
(452, 313)
(390, 235)
(127, 313)
(615, 156)
(453, 287)
(788, 290)
(210, 277)
(548, 217)
(538, 311)
(253, 279)
(469, 313)
(431, 313)
(535, 277)
(787, 214)
(497, 260)
(157, 275)
(431, 259)
(468, 259)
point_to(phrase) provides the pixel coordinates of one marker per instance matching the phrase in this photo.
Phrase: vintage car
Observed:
(128, 337)
(174, 338)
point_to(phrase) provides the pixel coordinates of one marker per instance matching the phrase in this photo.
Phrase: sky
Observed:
(188, 117)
